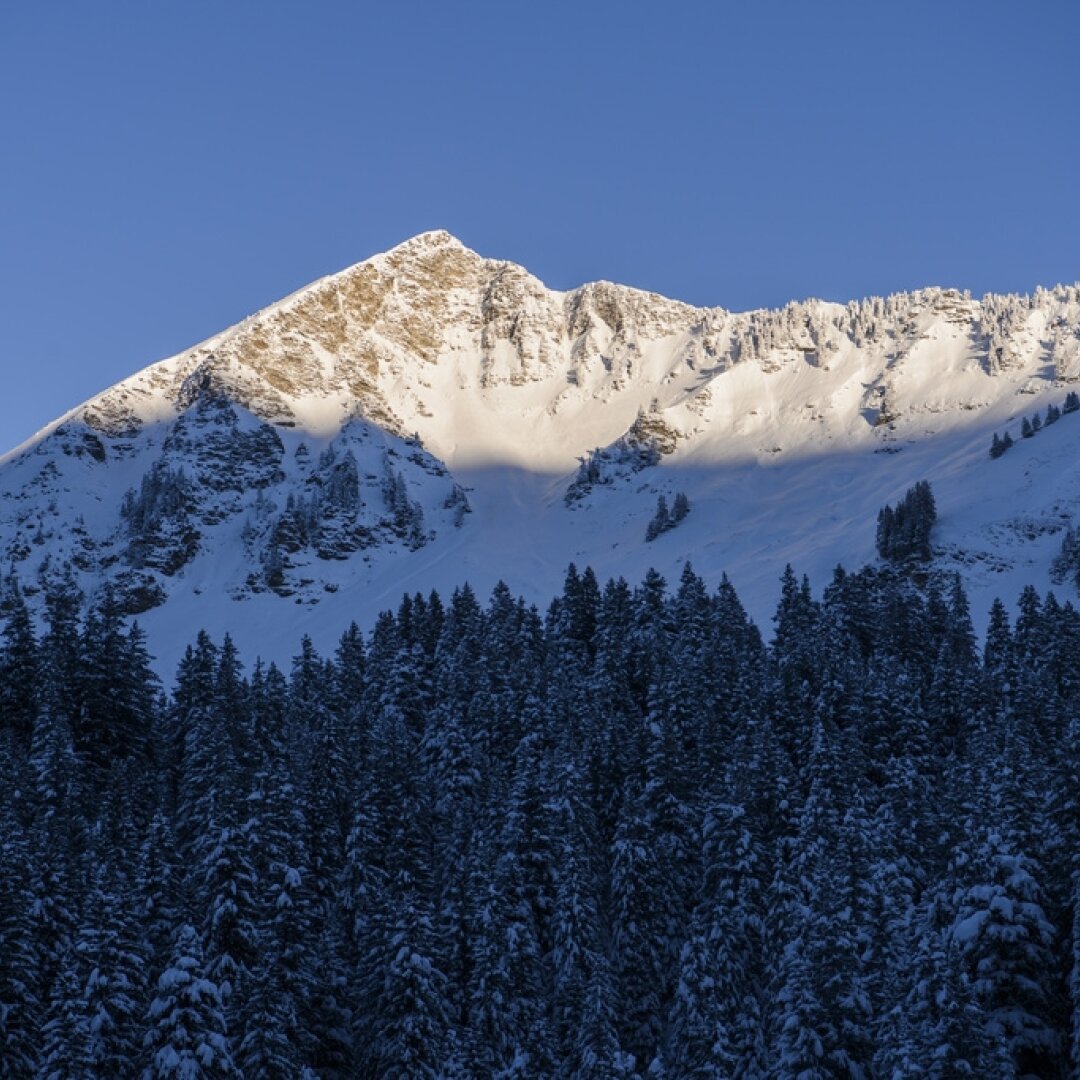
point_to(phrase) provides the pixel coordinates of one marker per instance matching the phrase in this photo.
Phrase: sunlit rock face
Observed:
(430, 415)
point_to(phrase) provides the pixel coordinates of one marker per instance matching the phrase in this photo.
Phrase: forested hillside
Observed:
(625, 837)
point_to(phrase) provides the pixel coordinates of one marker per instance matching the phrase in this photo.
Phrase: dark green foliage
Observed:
(163, 496)
(20, 1004)
(999, 445)
(113, 975)
(159, 520)
(623, 839)
(1066, 565)
(903, 532)
(665, 519)
(186, 1034)
(660, 521)
(406, 516)
(587, 477)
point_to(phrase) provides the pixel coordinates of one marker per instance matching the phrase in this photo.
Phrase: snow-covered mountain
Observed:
(430, 416)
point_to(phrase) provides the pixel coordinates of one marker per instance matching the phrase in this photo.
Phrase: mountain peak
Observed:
(435, 413)
(432, 238)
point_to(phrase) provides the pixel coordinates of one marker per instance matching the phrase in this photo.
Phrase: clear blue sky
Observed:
(169, 166)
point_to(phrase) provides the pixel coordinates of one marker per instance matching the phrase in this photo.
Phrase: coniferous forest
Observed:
(623, 837)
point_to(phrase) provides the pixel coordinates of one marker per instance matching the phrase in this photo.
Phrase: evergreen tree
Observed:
(715, 1019)
(227, 892)
(624, 839)
(64, 1036)
(156, 875)
(998, 445)
(19, 670)
(576, 934)
(1066, 564)
(20, 1005)
(1005, 944)
(413, 1034)
(938, 1030)
(113, 996)
(660, 522)
(186, 1037)
(903, 533)
(507, 991)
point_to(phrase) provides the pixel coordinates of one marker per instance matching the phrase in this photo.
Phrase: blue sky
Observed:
(169, 167)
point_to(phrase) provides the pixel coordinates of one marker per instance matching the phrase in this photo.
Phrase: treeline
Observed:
(624, 837)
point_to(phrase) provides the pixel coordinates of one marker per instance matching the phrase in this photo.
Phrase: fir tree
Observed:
(186, 1037)
(999, 444)
(626, 837)
(903, 533)
(1066, 564)
(113, 997)
(1005, 944)
(20, 1005)
(19, 670)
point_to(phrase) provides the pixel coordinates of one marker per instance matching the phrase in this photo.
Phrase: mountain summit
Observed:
(429, 416)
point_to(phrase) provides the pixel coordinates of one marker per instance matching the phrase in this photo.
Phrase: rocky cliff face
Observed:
(385, 340)
(331, 439)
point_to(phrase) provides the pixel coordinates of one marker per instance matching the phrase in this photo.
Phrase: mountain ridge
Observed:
(430, 414)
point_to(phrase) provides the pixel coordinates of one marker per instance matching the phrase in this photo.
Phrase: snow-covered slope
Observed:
(430, 416)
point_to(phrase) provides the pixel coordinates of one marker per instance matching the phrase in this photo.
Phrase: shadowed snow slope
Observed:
(430, 416)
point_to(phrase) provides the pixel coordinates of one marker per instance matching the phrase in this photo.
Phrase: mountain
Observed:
(430, 416)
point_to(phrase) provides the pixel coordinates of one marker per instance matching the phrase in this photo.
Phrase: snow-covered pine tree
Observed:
(1066, 564)
(665, 518)
(186, 1037)
(660, 521)
(647, 920)
(938, 1030)
(64, 1034)
(903, 533)
(110, 958)
(506, 992)
(20, 1005)
(1005, 946)
(715, 1021)
(19, 668)
(117, 690)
